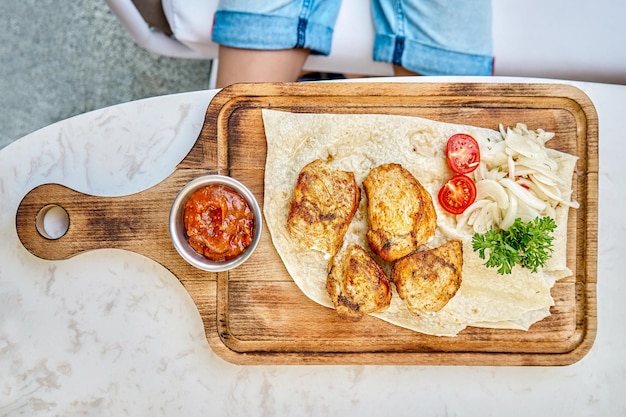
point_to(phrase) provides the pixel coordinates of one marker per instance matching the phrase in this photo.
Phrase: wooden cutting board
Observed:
(255, 314)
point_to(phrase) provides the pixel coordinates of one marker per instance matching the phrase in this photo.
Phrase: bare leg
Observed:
(247, 65)
(402, 72)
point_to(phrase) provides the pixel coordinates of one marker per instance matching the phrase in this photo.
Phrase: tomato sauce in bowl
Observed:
(219, 222)
(215, 223)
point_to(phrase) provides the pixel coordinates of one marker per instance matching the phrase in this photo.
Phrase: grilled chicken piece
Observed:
(427, 280)
(357, 284)
(323, 205)
(401, 212)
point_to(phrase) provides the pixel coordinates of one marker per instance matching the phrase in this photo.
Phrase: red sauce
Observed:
(219, 222)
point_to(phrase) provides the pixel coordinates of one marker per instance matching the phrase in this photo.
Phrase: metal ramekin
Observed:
(179, 235)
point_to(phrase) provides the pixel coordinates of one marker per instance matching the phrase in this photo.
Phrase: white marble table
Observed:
(110, 332)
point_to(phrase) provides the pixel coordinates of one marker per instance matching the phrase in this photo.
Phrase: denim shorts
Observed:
(430, 37)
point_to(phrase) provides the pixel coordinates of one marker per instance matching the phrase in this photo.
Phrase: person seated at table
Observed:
(271, 40)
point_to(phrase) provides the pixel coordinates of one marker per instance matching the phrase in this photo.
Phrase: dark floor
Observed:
(60, 59)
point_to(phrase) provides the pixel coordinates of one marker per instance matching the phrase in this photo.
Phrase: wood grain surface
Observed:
(256, 314)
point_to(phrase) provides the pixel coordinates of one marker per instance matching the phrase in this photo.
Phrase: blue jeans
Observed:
(430, 37)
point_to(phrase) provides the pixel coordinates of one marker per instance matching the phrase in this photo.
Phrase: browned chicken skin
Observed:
(323, 205)
(401, 212)
(427, 280)
(357, 284)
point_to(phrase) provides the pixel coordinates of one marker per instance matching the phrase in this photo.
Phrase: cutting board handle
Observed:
(138, 222)
(93, 222)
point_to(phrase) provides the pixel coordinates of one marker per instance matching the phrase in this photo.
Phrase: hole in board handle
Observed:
(52, 222)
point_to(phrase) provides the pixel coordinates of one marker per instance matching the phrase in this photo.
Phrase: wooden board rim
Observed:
(226, 345)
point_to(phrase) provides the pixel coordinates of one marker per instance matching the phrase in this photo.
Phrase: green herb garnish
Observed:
(526, 244)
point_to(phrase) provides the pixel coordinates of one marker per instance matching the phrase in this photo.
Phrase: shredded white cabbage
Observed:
(517, 177)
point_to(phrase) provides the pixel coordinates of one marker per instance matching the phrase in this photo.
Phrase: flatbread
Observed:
(361, 142)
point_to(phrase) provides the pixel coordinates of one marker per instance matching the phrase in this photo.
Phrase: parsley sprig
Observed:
(526, 244)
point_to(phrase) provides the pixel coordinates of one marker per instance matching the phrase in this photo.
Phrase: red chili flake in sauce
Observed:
(219, 222)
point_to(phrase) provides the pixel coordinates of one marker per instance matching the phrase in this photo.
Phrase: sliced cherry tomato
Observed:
(462, 153)
(457, 194)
